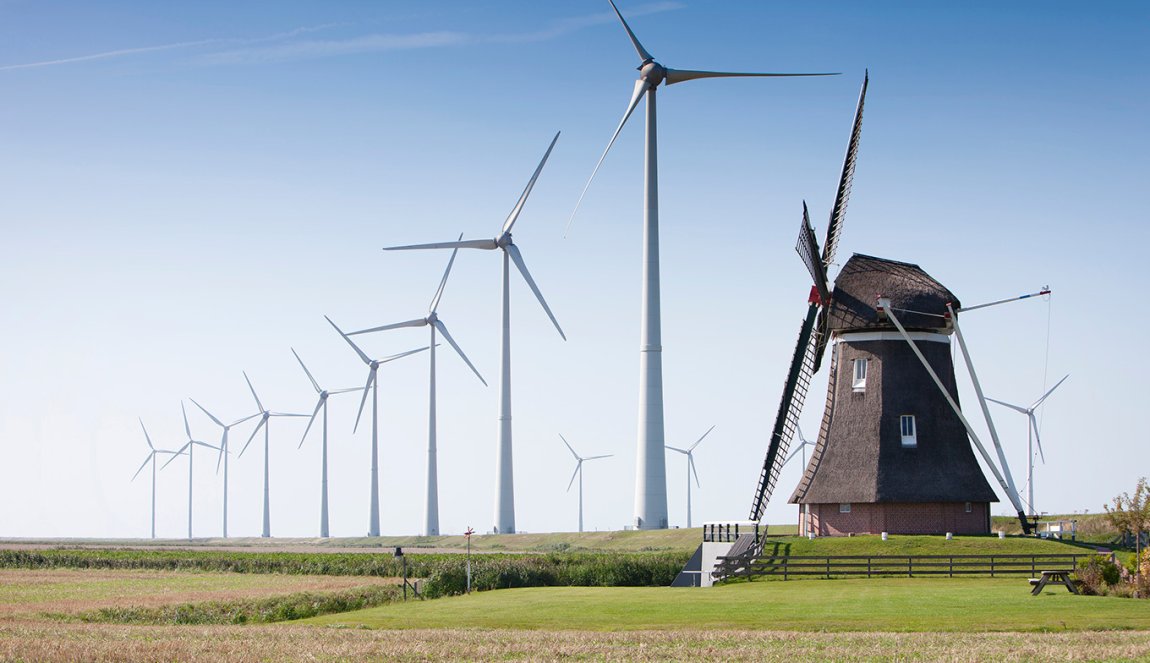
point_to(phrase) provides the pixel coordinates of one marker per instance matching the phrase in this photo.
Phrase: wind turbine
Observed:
(265, 416)
(372, 386)
(1032, 439)
(803, 444)
(190, 446)
(224, 452)
(579, 470)
(651, 471)
(504, 478)
(434, 324)
(689, 452)
(152, 451)
(322, 403)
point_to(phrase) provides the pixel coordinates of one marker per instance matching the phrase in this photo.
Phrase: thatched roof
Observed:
(866, 278)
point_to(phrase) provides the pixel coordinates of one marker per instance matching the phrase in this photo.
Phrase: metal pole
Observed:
(224, 451)
(373, 522)
(323, 521)
(431, 516)
(504, 474)
(191, 448)
(153, 494)
(267, 531)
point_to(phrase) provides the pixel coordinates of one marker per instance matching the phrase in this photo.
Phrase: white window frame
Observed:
(911, 440)
(845, 507)
(969, 507)
(860, 371)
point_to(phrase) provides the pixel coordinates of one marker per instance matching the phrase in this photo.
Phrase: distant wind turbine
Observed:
(321, 403)
(651, 470)
(689, 452)
(265, 417)
(224, 453)
(579, 460)
(1032, 439)
(803, 444)
(434, 324)
(152, 451)
(373, 387)
(189, 446)
(504, 477)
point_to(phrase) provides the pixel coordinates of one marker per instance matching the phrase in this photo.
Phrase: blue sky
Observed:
(188, 188)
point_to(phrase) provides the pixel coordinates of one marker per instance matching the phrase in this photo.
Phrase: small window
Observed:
(860, 375)
(844, 508)
(968, 507)
(909, 432)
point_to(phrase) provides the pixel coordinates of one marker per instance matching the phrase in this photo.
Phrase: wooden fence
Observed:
(797, 566)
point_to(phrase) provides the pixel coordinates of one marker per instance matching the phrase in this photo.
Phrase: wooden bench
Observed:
(1053, 576)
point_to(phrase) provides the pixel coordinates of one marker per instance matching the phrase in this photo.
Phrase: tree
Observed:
(1132, 514)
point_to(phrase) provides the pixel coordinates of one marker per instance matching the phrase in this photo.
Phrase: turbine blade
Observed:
(147, 438)
(401, 355)
(1037, 437)
(205, 444)
(223, 450)
(451, 341)
(682, 451)
(794, 452)
(1047, 394)
(309, 375)
(691, 462)
(641, 87)
(409, 323)
(258, 403)
(514, 215)
(846, 177)
(318, 405)
(1012, 407)
(643, 54)
(205, 411)
(243, 419)
(568, 444)
(598, 457)
(570, 483)
(680, 75)
(363, 401)
(487, 244)
(176, 455)
(364, 357)
(187, 428)
(517, 258)
(253, 436)
(443, 281)
(344, 391)
(692, 447)
(145, 464)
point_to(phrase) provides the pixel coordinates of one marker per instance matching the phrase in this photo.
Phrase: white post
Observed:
(651, 466)
(431, 522)
(1030, 468)
(580, 496)
(267, 531)
(504, 474)
(373, 524)
(191, 447)
(153, 494)
(688, 490)
(323, 522)
(224, 451)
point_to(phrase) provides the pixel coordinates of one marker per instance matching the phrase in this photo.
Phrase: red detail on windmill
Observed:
(814, 296)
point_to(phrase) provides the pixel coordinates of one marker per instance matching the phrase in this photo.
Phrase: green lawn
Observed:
(897, 604)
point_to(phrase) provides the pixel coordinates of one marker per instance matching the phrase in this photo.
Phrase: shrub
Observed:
(1097, 574)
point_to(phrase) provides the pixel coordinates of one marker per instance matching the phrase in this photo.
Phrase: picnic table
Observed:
(1053, 576)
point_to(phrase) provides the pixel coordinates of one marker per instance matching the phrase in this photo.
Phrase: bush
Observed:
(1097, 574)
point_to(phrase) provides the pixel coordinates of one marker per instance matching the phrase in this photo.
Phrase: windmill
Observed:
(434, 325)
(689, 452)
(579, 460)
(807, 358)
(651, 471)
(189, 446)
(803, 444)
(321, 403)
(265, 419)
(504, 478)
(151, 458)
(223, 456)
(372, 386)
(1032, 439)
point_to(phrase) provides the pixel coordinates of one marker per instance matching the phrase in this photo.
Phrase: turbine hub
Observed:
(503, 240)
(653, 72)
(323, 395)
(432, 318)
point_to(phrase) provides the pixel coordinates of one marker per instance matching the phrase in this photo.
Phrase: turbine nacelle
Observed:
(652, 72)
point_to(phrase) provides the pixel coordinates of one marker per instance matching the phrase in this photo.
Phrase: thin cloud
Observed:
(313, 49)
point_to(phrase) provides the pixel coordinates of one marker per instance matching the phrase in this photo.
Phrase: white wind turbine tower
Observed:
(372, 386)
(190, 446)
(504, 478)
(651, 470)
(579, 470)
(223, 457)
(152, 451)
(321, 403)
(434, 324)
(1032, 439)
(803, 444)
(689, 452)
(265, 417)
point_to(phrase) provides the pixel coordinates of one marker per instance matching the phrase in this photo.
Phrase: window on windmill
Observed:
(909, 433)
(969, 507)
(860, 375)
(844, 508)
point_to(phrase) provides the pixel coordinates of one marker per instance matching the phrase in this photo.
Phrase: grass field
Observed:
(920, 545)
